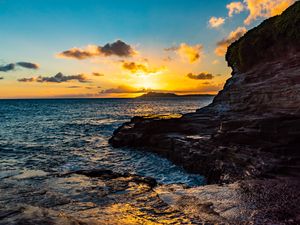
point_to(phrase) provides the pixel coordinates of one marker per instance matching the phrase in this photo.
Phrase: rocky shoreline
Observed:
(100, 196)
(250, 134)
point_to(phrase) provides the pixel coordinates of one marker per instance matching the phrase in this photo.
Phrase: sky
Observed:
(117, 48)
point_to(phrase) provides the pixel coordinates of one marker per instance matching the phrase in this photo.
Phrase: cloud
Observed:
(233, 36)
(12, 66)
(28, 65)
(258, 8)
(235, 8)
(98, 74)
(192, 53)
(8, 67)
(215, 22)
(58, 78)
(265, 8)
(32, 79)
(118, 48)
(123, 89)
(74, 87)
(138, 68)
(77, 53)
(200, 76)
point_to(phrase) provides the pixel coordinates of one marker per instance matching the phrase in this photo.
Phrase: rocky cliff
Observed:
(251, 131)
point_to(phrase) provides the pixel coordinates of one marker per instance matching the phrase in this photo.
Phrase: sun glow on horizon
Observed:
(147, 81)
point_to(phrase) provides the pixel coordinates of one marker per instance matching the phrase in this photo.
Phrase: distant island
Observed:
(171, 95)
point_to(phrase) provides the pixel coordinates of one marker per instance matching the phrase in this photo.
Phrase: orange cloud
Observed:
(215, 22)
(233, 36)
(118, 48)
(235, 8)
(139, 68)
(96, 74)
(58, 78)
(192, 53)
(200, 76)
(265, 8)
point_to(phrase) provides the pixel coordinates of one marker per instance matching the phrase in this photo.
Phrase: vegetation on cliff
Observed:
(274, 38)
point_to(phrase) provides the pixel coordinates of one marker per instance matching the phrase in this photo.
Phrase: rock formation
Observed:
(250, 133)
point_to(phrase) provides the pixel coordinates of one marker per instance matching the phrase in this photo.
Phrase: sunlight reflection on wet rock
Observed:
(91, 197)
(213, 203)
(101, 196)
(163, 116)
(129, 215)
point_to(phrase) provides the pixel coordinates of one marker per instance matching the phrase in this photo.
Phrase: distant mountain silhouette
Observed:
(170, 95)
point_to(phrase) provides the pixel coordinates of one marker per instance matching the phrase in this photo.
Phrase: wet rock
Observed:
(95, 196)
(269, 201)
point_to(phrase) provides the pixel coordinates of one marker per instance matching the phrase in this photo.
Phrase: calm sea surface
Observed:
(65, 135)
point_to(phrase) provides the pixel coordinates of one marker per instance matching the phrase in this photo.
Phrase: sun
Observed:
(146, 81)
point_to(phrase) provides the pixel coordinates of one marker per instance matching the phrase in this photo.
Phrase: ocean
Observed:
(60, 135)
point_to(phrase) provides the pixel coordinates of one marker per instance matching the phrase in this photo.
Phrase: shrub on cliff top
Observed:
(270, 40)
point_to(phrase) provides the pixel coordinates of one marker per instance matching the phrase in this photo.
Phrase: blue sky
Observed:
(36, 30)
(72, 22)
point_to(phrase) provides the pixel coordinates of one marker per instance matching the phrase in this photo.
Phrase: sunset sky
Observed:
(118, 48)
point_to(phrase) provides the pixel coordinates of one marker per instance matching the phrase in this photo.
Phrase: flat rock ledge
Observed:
(223, 150)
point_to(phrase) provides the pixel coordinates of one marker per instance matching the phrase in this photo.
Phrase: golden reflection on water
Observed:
(120, 201)
(77, 199)
(166, 116)
(128, 214)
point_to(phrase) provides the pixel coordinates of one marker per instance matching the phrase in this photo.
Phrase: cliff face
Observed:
(275, 38)
(258, 110)
(270, 87)
(252, 128)
(266, 71)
